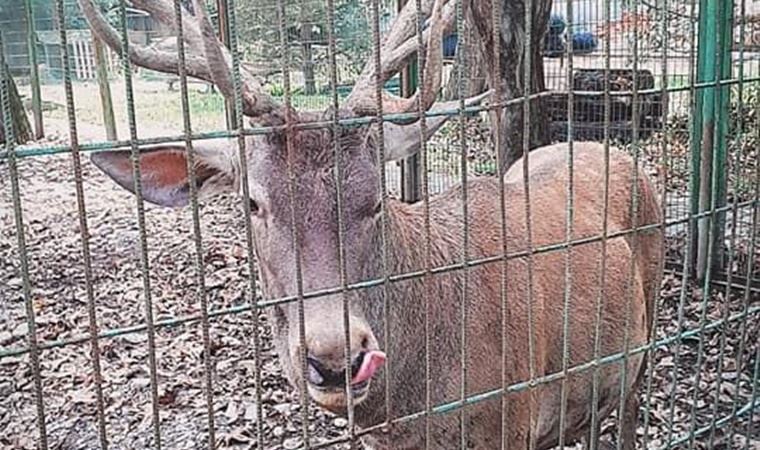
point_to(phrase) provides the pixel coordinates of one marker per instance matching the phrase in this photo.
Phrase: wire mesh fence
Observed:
(509, 311)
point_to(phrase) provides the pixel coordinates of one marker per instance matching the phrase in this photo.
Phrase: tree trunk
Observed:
(511, 77)
(310, 85)
(22, 130)
(472, 69)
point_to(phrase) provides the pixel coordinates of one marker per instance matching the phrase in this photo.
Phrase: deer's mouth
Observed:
(333, 396)
(335, 399)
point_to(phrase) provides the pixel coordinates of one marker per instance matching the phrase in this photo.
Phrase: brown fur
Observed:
(457, 301)
(484, 321)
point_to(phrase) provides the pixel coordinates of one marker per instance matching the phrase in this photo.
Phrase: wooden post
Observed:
(106, 101)
(224, 36)
(39, 129)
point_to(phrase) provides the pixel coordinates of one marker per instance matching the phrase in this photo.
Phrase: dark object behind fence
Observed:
(589, 107)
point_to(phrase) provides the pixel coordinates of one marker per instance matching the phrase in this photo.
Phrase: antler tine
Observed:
(205, 57)
(212, 48)
(399, 45)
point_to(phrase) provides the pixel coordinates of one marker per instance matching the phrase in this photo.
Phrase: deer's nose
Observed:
(326, 354)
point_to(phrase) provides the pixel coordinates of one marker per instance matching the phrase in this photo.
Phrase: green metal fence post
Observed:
(709, 130)
(31, 35)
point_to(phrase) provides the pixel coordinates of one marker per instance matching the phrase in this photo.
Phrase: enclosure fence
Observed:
(687, 110)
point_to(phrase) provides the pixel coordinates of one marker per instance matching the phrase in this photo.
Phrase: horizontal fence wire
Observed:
(28, 151)
(393, 278)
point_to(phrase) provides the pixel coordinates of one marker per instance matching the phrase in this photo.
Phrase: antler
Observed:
(398, 47)
(206, 57)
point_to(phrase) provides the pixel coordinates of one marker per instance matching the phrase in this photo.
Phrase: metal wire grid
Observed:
(34, 348)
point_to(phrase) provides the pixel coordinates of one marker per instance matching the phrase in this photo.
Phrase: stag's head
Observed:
(296, 173)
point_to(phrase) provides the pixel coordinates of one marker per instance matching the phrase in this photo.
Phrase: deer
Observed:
(481, 338)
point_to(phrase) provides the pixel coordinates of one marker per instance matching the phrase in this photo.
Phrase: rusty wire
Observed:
(84, 231)
(294, 229)
(143, 231)
(465, 272)
(200, 275)
(18, 215)
(246, 209)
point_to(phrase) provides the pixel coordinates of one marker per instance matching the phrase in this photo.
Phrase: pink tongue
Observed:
(372, 361)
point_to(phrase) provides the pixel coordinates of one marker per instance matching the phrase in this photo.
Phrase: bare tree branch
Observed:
(206, 57)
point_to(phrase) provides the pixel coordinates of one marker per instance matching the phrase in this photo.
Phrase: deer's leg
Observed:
(601, 444)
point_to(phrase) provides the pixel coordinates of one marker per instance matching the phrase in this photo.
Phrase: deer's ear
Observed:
(163, 173)
(402, 141)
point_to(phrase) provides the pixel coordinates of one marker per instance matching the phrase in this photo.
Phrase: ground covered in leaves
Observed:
(685, 389)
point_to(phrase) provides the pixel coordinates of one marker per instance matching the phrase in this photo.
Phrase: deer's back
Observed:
(539, 310)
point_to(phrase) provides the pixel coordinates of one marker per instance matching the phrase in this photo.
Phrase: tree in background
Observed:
(307, 21)
(511, 76)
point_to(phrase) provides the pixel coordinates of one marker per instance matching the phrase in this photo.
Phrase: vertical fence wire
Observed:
(754, 233)
(335, 129)
(379, 121)
(34, 73)
(690, 229)
(461, 57)
(18, 214)
(496, 123)
(84, 231)
(144, 261)
(755, 393)
(294, 231)
(569, 218)
(526, 132)
(200, 290)
(425, 193)
(737, 165)
(595, 425)
(246, 207)
(532, 320)
(627, 425)
(665, 165)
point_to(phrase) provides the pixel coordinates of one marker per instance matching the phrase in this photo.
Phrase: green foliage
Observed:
(259, 35)
(351, 30)
(278, 90)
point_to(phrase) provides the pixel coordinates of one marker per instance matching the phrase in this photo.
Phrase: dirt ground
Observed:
(679, 386)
